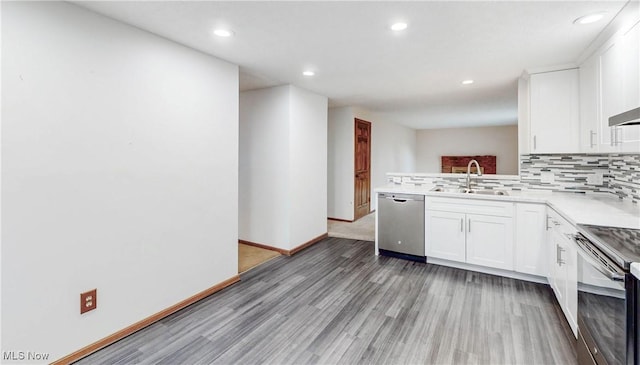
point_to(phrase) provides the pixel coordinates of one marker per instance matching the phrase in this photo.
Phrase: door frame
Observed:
(355, 157)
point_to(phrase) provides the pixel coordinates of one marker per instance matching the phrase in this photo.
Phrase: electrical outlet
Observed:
(88, 301)
(597, 178)
(547, 177)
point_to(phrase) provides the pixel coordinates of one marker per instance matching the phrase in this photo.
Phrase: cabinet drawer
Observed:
(557, 222)
(471, 206)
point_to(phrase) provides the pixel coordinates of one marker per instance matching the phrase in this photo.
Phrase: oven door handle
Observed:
(586, 255)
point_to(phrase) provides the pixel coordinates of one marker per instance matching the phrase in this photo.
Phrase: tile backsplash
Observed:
(577, 173)
(617, 174)
(624, 177)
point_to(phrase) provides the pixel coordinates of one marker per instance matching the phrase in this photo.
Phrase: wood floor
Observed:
(337, 303)
(251, 256)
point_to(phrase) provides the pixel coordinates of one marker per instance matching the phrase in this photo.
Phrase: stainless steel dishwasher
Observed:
(401, 226)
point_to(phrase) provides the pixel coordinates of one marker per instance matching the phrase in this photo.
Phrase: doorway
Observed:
(362, 169)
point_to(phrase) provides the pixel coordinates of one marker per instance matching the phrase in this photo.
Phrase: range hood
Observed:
(630, 117)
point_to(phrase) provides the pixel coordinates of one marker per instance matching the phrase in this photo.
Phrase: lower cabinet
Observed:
(445, 235)
(490, 241)
(457, 231)
(563, 267)
(531, 239)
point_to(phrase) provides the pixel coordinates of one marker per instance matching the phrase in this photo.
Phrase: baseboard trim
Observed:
(291, 252)
(266, 247)
(340, 220)
(308, 243)
(88, 350)
(488, 270)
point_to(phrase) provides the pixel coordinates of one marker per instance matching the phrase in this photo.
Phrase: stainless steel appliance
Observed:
(607, 295)
(630, 117)
(401, 226)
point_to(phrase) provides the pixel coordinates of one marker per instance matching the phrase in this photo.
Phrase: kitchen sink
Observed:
(470, 191)
(450, 190)
(488, 192)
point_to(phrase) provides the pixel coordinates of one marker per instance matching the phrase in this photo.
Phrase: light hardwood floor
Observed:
(337, 303)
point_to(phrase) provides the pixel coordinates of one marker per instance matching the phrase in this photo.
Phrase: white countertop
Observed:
(635, 269)
(596, 208)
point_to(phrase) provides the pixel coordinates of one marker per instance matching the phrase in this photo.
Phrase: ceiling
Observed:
(414, 76)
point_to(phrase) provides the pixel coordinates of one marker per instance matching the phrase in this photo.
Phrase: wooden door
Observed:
(362, 168)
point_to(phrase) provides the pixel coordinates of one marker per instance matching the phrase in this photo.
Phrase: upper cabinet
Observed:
(610, 85)
(553, 113)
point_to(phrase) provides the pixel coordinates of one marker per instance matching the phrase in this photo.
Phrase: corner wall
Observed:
(264, 167)
(119, 172)
(308, 164)
(283, 166)
(341, 162)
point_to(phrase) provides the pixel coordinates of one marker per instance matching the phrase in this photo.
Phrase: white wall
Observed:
(308, 159)
(283, 168)
(500, 141)
(341, 163)
(264, 168)
(119, 172)
(393, 149)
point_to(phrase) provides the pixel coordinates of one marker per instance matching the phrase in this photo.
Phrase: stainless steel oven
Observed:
(607, 299)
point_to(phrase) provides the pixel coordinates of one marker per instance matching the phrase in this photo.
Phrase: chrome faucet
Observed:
(478, 172)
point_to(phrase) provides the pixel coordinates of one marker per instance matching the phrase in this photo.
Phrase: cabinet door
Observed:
(445, 235)
(490, 241)
(570, 257)
(589, 103)
(558, 271)
(629, 136)
(554, 122)
(531, 237)
(611, 99)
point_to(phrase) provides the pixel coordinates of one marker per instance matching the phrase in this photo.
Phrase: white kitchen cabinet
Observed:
(589, 105)
(554, 121)
(629, 137)
(619, 90)
(531, 239)
(563, 267)
(470, 231)
(490, 241)
(445, 235)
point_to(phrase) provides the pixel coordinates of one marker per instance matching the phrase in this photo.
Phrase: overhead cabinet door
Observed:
(554, 114)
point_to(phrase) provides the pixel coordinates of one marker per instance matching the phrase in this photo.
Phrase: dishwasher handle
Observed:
(403, 198)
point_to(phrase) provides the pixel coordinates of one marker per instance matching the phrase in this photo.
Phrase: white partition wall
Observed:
(283, 166)
(119, 172)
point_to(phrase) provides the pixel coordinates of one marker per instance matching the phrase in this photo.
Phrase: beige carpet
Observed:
(362, 229)
(251, 256)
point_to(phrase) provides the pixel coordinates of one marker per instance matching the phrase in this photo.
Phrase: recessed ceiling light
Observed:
(223, 32)
(587, 19)
(396, 27)
(308, 73)
(467, 82)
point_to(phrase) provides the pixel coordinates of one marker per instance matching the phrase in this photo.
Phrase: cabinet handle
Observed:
(615, 133)
(534, 142)
(559, 251)
(469, 224)
(461, 224)
(548, 219)
(591, 143)
(613, 136)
